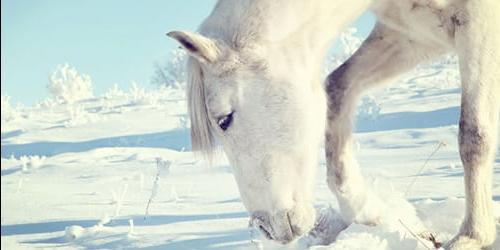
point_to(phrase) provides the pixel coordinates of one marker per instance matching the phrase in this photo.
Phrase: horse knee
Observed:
(475, 143)
(337, 88)
(336, 179)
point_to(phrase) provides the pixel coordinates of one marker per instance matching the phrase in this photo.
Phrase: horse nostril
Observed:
(265, 232)
(261, 221)
(292, 228)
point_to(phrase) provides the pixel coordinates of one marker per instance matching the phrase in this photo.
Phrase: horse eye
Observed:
(225, 121)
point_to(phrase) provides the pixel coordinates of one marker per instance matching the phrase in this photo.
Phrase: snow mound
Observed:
(404, 236)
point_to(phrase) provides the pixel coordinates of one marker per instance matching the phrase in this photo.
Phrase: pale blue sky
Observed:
(113, 41)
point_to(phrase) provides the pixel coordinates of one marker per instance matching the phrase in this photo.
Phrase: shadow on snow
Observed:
(410, 120)
(113, 240)
(175, 139)
(139, 220)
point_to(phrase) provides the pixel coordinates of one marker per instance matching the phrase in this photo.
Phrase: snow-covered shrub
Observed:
(5, 106)
(8, 112)
(349, 42)
(114, 92)
(446, 60)
(173, 73)
(443, 71)
(32, 162)
(451, 78)
(79, 116)
(67, 85)
(368, 109)
(450, 72)
(141, 96)
(47, 103)
(138, 94)
(73, 232)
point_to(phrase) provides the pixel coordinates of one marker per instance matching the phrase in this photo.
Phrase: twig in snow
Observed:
(436, 244)
(159, 165)
(19, 185)
(414, 235)
(441, 144)
(131, 227)
(174, 195)
(120, 199)
(431, 238)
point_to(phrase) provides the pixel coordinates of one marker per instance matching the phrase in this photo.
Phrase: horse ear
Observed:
(202, 48)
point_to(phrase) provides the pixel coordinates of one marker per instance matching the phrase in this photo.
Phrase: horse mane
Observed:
(202, 138)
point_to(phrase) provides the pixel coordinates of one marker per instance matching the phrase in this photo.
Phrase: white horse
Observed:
(254, 85)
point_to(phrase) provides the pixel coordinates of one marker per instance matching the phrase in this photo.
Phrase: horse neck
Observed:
(306, 41)
(315, 22)
(295, 34)
(330, 18)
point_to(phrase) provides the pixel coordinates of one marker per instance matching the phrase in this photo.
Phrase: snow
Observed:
(79, 174)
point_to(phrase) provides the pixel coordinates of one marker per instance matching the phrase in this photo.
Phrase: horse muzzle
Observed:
(283, 226)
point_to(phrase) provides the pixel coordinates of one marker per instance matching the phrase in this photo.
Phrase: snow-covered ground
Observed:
(80, 175)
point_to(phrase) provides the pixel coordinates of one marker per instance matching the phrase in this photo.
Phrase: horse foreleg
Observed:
(477, 41)
(384, 55)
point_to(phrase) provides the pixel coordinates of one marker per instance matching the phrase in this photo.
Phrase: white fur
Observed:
(262, 59)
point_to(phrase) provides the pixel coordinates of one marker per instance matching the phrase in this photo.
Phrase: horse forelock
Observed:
(202, 139)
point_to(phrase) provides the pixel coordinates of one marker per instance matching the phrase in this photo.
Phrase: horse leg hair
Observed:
(385, 54)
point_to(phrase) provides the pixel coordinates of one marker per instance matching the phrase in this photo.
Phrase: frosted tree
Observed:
(8, 112)
(349, 42)
(368, 108)
(173, 73)
(66, 85)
